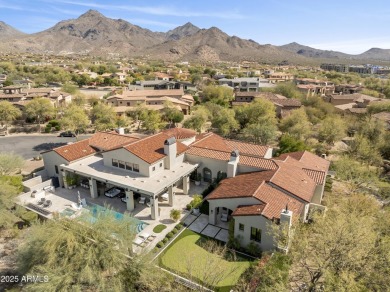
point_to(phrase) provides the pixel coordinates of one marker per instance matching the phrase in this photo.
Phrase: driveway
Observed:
(31, 145)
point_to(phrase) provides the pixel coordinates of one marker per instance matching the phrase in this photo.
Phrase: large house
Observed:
(153, 99)
(285, 191)
(245, 83)
(20, 96)
(283, 105)
(258, 190)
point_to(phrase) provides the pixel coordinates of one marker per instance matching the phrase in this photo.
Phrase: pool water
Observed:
(67, 212)
(97, 209)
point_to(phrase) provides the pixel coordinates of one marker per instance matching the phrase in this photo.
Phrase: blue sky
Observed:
(343, 25)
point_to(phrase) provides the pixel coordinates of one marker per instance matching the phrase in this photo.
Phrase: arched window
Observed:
(207, 175)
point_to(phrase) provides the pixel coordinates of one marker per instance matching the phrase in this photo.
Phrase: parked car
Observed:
(67, 134)
(112, 193)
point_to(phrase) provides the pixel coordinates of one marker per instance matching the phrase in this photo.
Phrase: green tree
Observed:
(153, 122)
(103, 116)
(39, 109)
(74, 119)
(261, 133)
(365, 150)
(332, 129)
(89, 256)
(289, 144)
(8, 113)
(287, 89)
(198, 119)
(225, 122)
(217, 94)
(10, 163)
(138, 114)
(171, 114)
(69, 88)
(296, 124)
(259, 111)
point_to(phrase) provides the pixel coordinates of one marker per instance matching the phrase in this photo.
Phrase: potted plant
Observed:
(196, 202)
(198, 179)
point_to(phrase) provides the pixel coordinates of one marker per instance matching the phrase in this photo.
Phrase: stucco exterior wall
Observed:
(124, 155)
(213, 164)
(50, 160)
(260, 222)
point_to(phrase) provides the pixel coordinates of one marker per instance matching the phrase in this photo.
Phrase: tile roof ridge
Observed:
(145, 138)
(84, 140)
(207, 135)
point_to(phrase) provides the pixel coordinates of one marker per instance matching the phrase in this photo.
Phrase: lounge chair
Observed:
(224, 217)
(142, 200)
(47, 204)
(75, 206)
(139, 241)
(41, 201)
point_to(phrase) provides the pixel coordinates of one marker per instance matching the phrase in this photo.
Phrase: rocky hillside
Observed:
(7, 32)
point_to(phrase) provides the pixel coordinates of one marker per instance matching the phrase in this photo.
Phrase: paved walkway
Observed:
(200, 224)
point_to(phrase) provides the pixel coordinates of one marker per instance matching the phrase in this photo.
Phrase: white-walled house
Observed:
(255, 200)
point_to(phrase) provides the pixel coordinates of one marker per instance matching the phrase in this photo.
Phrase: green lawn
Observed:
(185, 254)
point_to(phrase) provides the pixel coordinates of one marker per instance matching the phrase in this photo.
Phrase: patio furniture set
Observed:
(144, 239)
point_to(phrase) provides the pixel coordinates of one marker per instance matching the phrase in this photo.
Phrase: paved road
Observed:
(29, 146)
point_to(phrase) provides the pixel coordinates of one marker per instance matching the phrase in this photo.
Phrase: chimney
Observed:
(232, 164)
(120, 131)
(286, 217)
(170, 151)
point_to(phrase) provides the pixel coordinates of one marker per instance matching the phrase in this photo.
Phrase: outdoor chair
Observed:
(140, 242)
(41, 201)
(47, 204)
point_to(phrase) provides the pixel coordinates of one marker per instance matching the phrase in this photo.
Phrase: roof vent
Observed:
(235, 153)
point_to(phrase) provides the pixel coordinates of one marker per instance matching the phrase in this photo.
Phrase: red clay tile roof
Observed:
(109, 140)
(291, 177)
(316, 175)
(240, 186)
(208, 153)
(290, 102)
(180, 133)
(76, 150)
(308, 159)
(257, 162)
(151, 149)
(249, 210)
(215, 142)
(276, 201)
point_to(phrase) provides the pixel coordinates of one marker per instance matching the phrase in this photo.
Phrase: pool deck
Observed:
(63, 198)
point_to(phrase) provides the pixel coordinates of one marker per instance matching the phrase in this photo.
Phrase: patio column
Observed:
(130, 200)
(93, 188)
(186, 185)
(171, 196)
(64, 178)
(154, 208)
(212, 214)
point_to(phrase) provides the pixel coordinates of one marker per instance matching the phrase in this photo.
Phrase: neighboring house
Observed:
(283, 105)
(153, 99)
(348, 88)
(360, 100)
(283, 193)
(310, 87)
(3, 78)
(276, 77)
(20, 96)
(163, 76)
(243, 84)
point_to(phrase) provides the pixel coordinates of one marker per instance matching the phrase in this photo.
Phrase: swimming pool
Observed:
(97, 209)
(67, 212)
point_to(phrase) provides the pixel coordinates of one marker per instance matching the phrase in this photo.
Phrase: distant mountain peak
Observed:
(179, 32)
(91, 13)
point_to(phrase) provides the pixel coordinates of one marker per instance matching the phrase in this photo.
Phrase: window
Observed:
(56, 168)
(115, 162)
(154, 168)
(128, 104)
(121, 164)
(241, 227)
(161, 164)
(255, 234)
(135, 167)
(129, 166)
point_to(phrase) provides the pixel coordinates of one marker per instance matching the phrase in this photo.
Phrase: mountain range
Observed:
(93, 33)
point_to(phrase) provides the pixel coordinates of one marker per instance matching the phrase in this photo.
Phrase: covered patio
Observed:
(167, 184)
